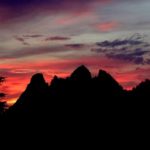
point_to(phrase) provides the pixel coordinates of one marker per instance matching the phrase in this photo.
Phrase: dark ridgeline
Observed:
(80, 98)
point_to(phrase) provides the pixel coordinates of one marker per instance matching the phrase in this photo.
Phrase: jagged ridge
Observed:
(76, 93)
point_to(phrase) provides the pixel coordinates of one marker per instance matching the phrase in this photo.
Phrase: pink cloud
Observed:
(107, 26)
(74, 17)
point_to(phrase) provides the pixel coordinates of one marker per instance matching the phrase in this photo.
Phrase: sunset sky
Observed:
(56, 36)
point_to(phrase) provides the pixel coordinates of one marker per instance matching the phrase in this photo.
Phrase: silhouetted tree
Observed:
(2, 107)
(2, 95)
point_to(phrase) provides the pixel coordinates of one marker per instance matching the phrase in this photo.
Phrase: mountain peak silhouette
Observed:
(30, 99)
(143, 88)
(104, 74)
(108, 82)
(37, 79)
(74, 96)
(81, 73)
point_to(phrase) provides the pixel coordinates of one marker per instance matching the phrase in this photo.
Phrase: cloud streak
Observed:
(57, 38)
(134, 40)
(35, 51)
(32, 36)
(22, 40)
(75, 46)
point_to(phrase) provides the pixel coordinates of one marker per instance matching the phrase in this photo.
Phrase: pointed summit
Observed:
(37, 79)
(143, 88)
(54, 80)
(30, 99)
(81, 73)
(108, 81)
(37, 83)
(104, 75)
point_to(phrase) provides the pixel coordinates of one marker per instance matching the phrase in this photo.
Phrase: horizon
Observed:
(54, 37)
(10, 102)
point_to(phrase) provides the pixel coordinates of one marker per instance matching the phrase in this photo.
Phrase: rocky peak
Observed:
(81, 73)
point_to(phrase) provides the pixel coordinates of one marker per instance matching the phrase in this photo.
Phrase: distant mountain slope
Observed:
(78, 95)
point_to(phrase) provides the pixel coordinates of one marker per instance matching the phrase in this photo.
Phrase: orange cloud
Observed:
(107, 26)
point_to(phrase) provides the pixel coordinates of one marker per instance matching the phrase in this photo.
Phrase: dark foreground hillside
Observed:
(79, 102)
(79, 107)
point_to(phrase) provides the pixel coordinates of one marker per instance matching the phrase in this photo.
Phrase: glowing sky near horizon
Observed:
(56, 36)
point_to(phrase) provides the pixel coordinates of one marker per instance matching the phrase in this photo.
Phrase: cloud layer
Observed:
(133, 49)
